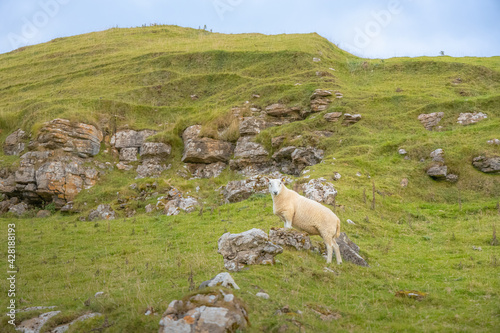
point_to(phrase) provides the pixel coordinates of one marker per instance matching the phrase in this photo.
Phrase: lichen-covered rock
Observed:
(129, 154)
(204, 150)
(222, 279)
(19, 209)
(430, 120)
(78, 138)
(251, 247)
(250, 157)
(175, 206)
(278, 110)
(437, 155)
(150, 167)
(102, 212)
(320, 190)
(487, 164)
(349, 250)
(470, 118)
(200, 170)
(319, 101)
(438, 172)
(215, 312)
(292, 160)
(239, 190)
(290, 237)
(155, 149)
(130, 138)
(14, 144)
(252, 126)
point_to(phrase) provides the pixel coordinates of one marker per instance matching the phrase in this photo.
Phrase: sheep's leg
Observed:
(329, 247)
(337, 252)
(287, 217)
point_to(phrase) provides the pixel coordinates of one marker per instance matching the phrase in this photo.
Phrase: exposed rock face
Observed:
(430, 120)
(321, 191)
(438, 172)
(332, 116)
(103, 212)
(251, 247)
(175, 202)
(281, 110)
(81, 139)
(14, 144)
(487, 165)
(252, 126)
(319, 100)
(292, 160)
(216, 312)
(290, 237)
(239, 190)
(150, 167)
(351, 119)
(204, 150)
(350, 251)
(250, 157)
(35, 325)
(129, 154)
(211, 170)
(470, 118)
(19, 209)
(155, 150)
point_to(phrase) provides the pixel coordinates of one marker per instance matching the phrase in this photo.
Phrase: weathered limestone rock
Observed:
(14, 144)
(494, 142)
(81, 139)
(155, 150)
(438, 155)
(438, 172)
(332, 116)
(277, 141)
(251, 247)
(487, 164)
(292, 160)
(43, 213)
(65, 327)
(212, 170)
(175, 202)
(350, 251)
(321, 191)
(350, 119)
(319, 100)
(6, 204)
(290, 237)
(430, 120)
(215, 312)
(470, 118)
(239, 190)
(278, 110)
(130, 138)
(34, 325)
(102, 212)
(252, 126)
(204, 150)
(150, 167)
(128, 154)
(250, 157)
(19, 209)
(222, 279)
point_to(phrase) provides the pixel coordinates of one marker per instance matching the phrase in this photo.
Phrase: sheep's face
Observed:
(275, 186)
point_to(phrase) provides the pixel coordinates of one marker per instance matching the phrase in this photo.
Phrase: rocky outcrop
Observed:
(431, 120)
(35, 325)
(251, 247)
(292, 160)
(349, 250)
(14, 143)
(19, 209)
(158, 150)
(250, 158)
(320, 100)
(204, 150)
(130, 138)
(211, 170)
(252, 126)
(282, 111)
(487, 164)
(45, 177)
(470, 118)
(175, 201)
(438, 169)
(320, 190)
(78, 138)
(215, 312)
(102, 212)
(220, 280)
(239, 190)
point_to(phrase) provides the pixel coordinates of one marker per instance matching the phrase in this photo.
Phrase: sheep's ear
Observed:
(283, 179)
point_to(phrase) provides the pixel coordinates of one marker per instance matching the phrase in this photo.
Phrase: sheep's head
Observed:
(275, 186)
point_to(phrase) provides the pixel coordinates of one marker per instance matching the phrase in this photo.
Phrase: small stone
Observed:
(430, 120)
(332, 116)
(402, 151)
(494, 142)
(350, 221)
(316, 59)
(262, 295)
(404, 182)
(478, 248)
(149, 208)
(358, 174)
(470, 118)
(99, 294)
(451, 178)
(337, 176)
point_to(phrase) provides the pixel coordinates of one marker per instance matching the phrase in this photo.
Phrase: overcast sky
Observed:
(374, 29)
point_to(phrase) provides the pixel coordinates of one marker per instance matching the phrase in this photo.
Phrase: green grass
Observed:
(419, 237)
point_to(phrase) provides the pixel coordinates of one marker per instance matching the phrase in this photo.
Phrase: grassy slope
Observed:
(416, 238)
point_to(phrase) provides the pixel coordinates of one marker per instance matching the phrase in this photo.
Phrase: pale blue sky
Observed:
(375, 29)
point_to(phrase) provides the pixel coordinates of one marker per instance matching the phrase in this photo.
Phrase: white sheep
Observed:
(306, 215)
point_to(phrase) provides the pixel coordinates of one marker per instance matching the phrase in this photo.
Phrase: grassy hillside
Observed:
(419, 237)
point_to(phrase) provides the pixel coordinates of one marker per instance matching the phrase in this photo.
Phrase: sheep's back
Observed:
(311, 216)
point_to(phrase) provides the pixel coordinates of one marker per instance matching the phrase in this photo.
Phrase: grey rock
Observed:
(350, 119)
(222, 279)
(204, 150)
(130, 138)
(402, 151)
(252, 126)
(438, 172)
(251, 247)
(34, 325)
(14, 144)
(452, 178)
(239, 190)
(102, 212)
(65, 327)
(438, 155)
(262, 295)
(290, 237)
(200, 170)
(292, 160)
(6, 204)
(149, 208)
(494, 142)
(430, 120)
(320, 190)
(487, 164)
(129, 154)
(155, 149)
(277, 141)
(150, 167)
(350, 251)
(470, 118)
(250, 158)
(19, 209)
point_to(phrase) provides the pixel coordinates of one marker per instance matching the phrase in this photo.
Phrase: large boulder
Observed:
(350, 251)
(200, 170)
(130, 138)
(251, 247)
(215, 312)
(14, 143)
(487, 164)
(155, 150)
(204, 150)
(250, 157)
(292, 160)
(438, 172)
(78, 138)
(430, 120)
(252, 126)
(239, 190)
(470, 118)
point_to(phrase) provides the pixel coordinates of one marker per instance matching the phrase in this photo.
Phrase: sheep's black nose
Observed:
(275, 193)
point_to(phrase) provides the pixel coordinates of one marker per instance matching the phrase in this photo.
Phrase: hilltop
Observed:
(348, 116)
